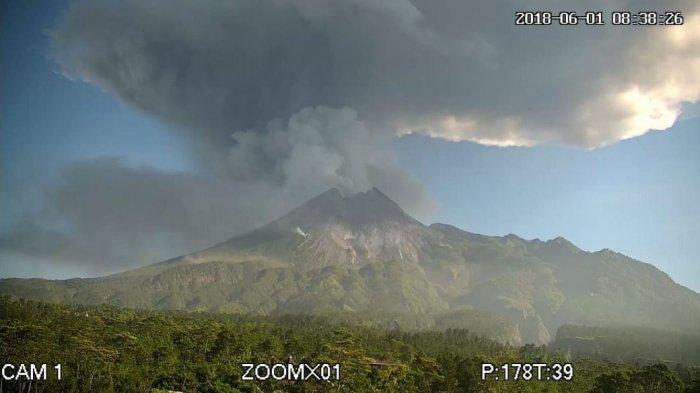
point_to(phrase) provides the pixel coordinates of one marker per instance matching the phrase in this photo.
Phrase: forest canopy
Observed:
(106, 349)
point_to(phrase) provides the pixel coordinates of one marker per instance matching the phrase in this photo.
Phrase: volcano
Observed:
(363, 254)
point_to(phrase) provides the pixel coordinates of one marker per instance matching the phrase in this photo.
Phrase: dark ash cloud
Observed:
(280, 100)
(454, 69)
(109, 216)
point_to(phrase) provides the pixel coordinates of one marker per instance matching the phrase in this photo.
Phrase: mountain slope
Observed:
(363, 253)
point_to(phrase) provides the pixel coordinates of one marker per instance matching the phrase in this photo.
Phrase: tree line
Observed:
(108, 349)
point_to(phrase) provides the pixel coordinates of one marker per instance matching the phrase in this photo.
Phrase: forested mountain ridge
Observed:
(362, 252)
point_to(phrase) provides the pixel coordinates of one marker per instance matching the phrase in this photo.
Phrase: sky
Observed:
(134, 133)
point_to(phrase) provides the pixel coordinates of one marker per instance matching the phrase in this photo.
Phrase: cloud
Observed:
(279, 100)
(106, 215)
(319, 148)
(448, 69)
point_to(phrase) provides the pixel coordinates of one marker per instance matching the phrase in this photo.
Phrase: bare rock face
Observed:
(357, 211)
(352, 230)
(332, 229)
